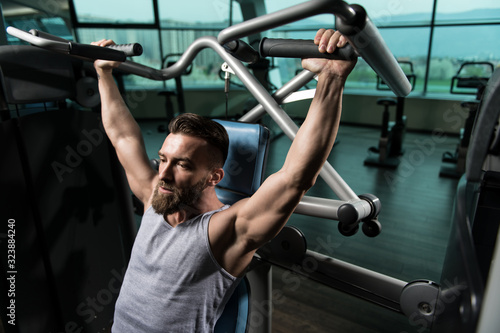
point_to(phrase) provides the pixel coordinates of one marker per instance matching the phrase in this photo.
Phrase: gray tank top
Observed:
(173, 282)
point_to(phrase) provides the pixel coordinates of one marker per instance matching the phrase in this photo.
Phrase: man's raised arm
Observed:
(123, 131)
(260, 218)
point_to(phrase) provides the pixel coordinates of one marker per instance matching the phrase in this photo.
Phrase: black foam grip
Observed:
(301, 48)
(96, 52)
(130, 50)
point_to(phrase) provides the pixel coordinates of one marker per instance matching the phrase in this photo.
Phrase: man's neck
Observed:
(179, 217)
(204, 205)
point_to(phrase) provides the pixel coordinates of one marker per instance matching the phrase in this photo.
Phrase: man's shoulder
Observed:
(229, 210)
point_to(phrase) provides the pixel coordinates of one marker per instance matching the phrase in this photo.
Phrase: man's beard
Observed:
(179, 199)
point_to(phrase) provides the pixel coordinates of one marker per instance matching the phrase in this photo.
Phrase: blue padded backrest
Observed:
(235, 316)
(245, 163)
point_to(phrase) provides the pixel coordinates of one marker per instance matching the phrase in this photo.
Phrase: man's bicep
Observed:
(263, 215)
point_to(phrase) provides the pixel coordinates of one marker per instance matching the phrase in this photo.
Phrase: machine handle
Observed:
(130, 50)
(242, 51)
(96, 52)
(301, 48)
(118, 52)
(58, 44)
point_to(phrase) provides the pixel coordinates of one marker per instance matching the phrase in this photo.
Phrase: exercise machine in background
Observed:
(390, 146)
(471, 79)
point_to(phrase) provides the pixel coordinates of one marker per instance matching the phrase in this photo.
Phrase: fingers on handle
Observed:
(328, 40)
(317, 38)
(103, 42)
(342, 41)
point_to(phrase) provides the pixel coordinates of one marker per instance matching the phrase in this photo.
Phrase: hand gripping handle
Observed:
(118, 52)
(301, 48)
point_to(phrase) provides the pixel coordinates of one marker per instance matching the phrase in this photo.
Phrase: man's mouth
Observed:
(165, 190)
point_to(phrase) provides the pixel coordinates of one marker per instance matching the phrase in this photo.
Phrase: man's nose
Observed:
(166, 171)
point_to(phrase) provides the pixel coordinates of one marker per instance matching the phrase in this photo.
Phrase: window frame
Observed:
(432, 25)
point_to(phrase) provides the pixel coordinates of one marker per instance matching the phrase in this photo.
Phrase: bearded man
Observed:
(191, 249)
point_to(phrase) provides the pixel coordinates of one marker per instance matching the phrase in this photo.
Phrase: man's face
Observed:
(183, 174)
(168, 199)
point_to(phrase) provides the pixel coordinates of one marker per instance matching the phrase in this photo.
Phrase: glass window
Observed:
(206, 65)
(313, 22)
(455, 45)
(407, 44)
(398, 41)
(182, 23)
(114, 11)
(56, 26)
(24, 24)
(477, 11)
(198, 14)
(405, 25)
(398, 12)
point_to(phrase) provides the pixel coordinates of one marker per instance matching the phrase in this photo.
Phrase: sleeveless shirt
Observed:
(173, 282)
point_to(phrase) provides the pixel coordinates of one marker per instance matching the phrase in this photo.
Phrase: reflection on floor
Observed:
(415, 218)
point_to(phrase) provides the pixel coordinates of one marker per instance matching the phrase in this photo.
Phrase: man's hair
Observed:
(198, 126)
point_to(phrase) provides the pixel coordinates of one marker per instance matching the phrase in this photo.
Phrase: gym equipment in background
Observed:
(390, 145)
(471, 78)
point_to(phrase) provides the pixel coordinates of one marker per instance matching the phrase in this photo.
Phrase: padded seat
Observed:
(245, 163)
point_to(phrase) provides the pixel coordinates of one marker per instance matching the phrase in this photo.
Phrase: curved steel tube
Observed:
(370, 45)
(62, 47)
(355, 25)
(287, 15)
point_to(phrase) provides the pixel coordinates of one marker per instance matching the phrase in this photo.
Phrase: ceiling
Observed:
(45, 7)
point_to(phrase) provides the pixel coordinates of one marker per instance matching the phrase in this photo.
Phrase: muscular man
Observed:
(192, 250)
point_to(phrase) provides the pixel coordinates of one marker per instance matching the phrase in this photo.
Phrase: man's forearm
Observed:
(316, 136)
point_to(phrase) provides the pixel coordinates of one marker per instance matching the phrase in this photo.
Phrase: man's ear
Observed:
(216, 176)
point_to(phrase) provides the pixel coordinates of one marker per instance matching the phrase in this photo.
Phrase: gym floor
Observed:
(415, 218)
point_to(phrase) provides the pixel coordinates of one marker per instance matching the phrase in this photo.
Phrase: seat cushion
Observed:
(245, 165)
